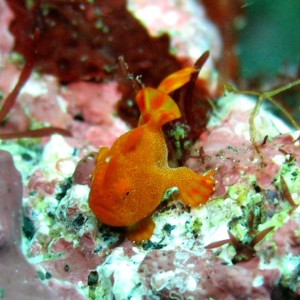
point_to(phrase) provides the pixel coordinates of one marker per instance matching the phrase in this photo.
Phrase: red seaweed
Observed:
(244, 251)
(194, 102)
(286, 192)
(11, 99)
(88, 48)
(36, 133)
(24, 76)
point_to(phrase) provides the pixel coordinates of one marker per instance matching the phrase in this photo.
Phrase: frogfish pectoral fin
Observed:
(102, 154)
(141, 231)
(196, 189)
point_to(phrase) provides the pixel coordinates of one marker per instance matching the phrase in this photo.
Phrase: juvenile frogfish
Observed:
(131, 177)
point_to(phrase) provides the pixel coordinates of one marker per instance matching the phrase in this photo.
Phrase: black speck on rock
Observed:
(28, 228)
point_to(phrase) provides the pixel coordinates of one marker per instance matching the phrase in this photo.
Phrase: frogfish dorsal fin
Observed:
(156, 105)
(176, 80)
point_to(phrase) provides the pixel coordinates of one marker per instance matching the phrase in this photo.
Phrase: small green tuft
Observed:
(41, 275)
(196, 226)
(2, 293)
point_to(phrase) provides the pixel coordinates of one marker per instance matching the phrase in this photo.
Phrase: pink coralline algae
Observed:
(84, 169)
(48, 100)
(287, 239)
(92, 106)
(77, 262)
(40, 102)
(6, 17)
(39, 183)
(184, 275)
(227, 147)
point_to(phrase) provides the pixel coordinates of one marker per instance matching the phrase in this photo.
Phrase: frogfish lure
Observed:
(131, 177)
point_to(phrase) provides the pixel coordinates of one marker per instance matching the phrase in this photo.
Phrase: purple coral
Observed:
(18, 279)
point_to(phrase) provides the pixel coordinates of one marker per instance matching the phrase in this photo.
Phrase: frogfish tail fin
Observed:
(197, 189)
(156, 106)
(176, 80)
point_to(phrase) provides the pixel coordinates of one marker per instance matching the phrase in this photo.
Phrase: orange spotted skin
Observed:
(132, 176)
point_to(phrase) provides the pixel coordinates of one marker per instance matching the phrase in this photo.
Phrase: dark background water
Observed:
(271, 37)
(269, 48)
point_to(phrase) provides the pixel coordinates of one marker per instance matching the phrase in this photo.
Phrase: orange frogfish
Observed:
(131, 177)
